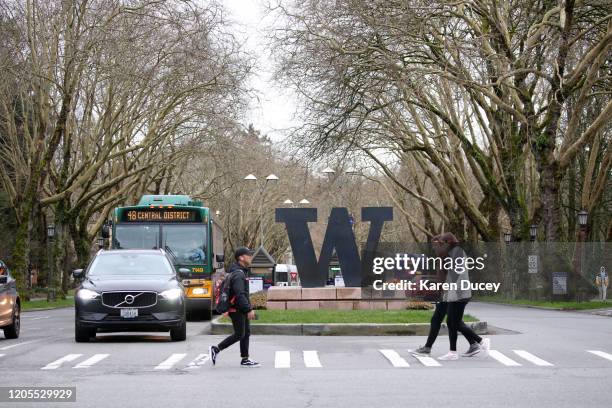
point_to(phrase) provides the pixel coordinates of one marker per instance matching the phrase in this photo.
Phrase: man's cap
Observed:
(242, 251)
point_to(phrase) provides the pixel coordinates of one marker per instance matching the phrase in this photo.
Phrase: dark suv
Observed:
(129, 290)
(10, 304)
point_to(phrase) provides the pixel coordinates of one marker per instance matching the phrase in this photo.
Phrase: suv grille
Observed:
(129, 299)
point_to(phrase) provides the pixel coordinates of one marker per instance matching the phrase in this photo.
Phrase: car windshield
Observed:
(185, 243)
(136, 236)
(130, 264)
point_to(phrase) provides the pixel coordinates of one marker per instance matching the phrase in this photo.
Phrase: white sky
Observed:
(273, 110)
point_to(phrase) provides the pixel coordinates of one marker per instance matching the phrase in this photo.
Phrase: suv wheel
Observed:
(12, 331)
(180, 333)
(82, 334)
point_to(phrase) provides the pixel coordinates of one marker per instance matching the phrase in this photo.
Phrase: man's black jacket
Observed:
(239, 288)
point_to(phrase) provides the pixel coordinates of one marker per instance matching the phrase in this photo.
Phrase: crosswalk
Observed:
(311, 359)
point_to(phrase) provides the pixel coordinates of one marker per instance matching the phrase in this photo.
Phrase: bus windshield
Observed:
(137, 236)
(185, 243)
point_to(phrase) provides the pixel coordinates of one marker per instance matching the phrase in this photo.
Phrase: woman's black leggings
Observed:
(454, 321)
(436, 322)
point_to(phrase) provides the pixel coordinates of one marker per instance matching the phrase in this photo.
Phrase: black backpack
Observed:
(223, 300)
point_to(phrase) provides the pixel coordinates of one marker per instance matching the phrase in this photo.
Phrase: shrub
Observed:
(258, 300)
(419, 305)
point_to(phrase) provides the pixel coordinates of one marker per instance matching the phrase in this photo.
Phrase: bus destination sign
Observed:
(160, 215)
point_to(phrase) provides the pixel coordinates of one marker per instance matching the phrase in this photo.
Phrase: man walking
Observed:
(602, 282)
(240, 311)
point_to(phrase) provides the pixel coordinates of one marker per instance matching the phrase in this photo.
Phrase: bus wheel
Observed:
(206, 314)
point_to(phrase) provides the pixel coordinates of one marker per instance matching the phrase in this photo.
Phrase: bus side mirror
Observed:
(105, 232)
(220, 258)
(184, 272)
(77, 273)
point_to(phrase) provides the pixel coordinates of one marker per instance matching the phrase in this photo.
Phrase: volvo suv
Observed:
(10, 304)
(129, 290)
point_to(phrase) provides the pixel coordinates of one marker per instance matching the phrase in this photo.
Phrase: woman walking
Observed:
(456, 298)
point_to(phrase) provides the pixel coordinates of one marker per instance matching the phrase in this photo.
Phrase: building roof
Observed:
(262, 259)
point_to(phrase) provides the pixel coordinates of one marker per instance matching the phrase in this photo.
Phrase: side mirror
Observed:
(184, 272)
(3, 280)
(220, 258)
(105, 232)
(77, 273)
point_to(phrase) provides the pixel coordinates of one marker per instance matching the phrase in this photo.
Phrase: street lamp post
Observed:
(583, 220)
(262, 188)
(51, 278)
(533, 232)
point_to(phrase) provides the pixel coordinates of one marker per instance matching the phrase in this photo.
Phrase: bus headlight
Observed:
(86, 294)
(172, 294)
(200, 291)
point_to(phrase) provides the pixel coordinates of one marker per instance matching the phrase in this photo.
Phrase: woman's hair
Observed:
(447, 237)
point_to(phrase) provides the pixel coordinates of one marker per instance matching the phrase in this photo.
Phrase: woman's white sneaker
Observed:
(485, 344)
(451, 355)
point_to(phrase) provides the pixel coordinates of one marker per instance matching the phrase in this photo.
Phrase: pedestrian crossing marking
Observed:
(96, 358)
(394, 358)
(23, 343)
(427, 361)
(311, 359)
(502, 358)
(199, 361)
(533, 359)
(598, 353)
(282, 359)
(170, 361)
(58, 363)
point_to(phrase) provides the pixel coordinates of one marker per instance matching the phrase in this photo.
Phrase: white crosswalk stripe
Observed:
(282, 359)
(502, 358)
(170, 361)
(601, 354)
(199, 361)
(23, 343)
(427, 361)
(58, 363)
(533, 359)
(394, 358)
(311, 359)
(96, 358)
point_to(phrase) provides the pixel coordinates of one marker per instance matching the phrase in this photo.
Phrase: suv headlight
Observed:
(86, 294)
(172, 294)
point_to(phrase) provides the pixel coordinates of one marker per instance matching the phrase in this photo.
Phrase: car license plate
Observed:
(129, 313)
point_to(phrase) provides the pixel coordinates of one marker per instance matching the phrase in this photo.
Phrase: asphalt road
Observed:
(552, 359)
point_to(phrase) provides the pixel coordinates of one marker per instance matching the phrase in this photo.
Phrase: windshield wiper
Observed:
(171, 252)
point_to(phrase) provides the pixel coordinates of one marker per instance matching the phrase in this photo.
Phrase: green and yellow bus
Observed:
(186, 231)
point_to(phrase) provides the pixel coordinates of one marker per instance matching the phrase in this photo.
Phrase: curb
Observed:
(39, 309)
(559, 309)
(342, 329)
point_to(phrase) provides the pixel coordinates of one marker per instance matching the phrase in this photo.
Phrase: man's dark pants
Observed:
(242, 331)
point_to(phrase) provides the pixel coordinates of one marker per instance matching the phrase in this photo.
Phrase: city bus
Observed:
(185, 229)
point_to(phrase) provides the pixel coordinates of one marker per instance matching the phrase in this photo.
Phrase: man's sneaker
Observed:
(212, 352)
(473, 350)
(423, 351)
(485, 344)
(451, 355)
(247, 362)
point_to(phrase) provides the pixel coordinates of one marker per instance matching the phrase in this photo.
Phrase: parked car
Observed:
(10, 304)
(129, 290)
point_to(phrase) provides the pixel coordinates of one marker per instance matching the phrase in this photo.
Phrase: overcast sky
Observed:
(273, 111)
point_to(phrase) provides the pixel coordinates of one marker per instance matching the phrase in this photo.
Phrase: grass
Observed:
(343, 316)
(40, 304)
(560, 304)
(43, 304)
